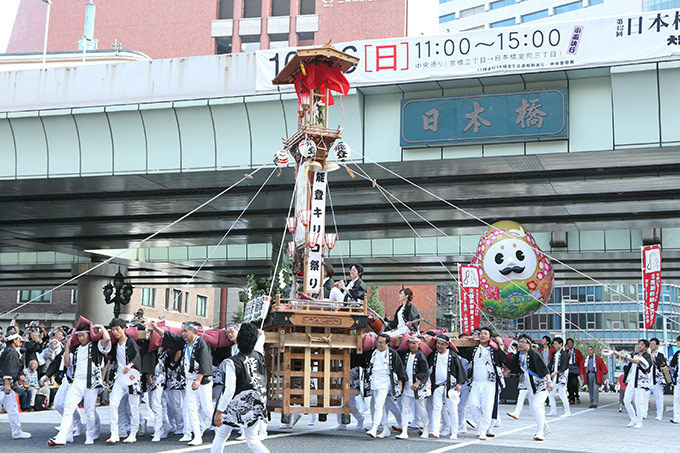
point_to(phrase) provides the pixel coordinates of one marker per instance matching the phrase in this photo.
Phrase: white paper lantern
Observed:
(281, 158)
(342, 151)
(307, 148)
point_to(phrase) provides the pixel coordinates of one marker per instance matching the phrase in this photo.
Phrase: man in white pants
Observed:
(417, 388)
(658, 381)
(174, 393)
(243, 401)
(155, 388)
(11, 368)
(484, 362)
(87, 360)
(126, 357)
(636, 375)
(675, 364)
(197, 363)
(446, 376)
(558, 366)
(355, 375)
(380, 374)
(535, 376)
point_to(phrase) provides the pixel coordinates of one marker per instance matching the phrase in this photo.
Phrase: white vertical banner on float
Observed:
(315, 234)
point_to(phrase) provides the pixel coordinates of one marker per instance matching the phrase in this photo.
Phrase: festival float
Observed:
(310, 342)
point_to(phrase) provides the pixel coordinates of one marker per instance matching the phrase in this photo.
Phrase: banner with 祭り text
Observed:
(468, 288)
(551, 46)
(651, 282)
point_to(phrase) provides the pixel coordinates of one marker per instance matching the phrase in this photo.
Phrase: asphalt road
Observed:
(592, 430)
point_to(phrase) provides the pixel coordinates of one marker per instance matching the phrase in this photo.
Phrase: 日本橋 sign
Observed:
(525, 115)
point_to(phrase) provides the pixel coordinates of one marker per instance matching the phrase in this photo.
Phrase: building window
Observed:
(186, 302)
(201, 305)
(447, 18)
(149, 297)
(501, 3)
(503, 23)
(38, 294)
(472, 11)
(535, 16)
(599, 2)
(568, 7)
(226, 9)
(74, 297)
(656, 5)
(252, 8)
(280, 8)
(307, 7)
(444, 1)
(176, 300)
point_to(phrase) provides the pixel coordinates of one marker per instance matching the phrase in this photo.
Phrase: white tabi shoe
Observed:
(131, 439)
(185, 438)
(453, 436)
(385, 433)
(196, 441)
(156, 438)
(22, 435)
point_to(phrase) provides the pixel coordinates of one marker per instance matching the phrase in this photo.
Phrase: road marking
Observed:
(513, 431)
(237, 442)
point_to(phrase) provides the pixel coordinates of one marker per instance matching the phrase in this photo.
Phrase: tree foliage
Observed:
(374, 302)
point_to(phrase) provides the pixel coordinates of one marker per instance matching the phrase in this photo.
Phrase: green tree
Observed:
(238, 315)
(374, 302)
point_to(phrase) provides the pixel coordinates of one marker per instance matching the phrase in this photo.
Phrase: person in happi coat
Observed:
(638, 382)
(86, 359)
(10, 369)
(417, 387)
(197, 365)
(558, 366)
(384, 377)
(484, 362)
(529, 365)
(447, 375)
(243, 403)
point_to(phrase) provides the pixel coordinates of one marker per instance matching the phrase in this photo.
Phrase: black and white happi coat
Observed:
(562, 366)
(133, 356)
(455, 370)
(498, 359)
(420, 372)
(174, 374)
(200, 361)
(248, 404)
(530, 364)
(95, 363)
(657, 362)
(643, 379)
(11, 361)
(397, 373)
(675, 365)
(159, 371)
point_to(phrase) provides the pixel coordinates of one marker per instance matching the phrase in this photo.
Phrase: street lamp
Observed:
(47, 27)
(449, 313)
(123, 293)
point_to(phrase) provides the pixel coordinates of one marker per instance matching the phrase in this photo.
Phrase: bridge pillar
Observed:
(90, 298)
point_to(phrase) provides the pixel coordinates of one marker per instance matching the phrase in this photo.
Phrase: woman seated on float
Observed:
(330, 291)
(355, 289)
(406, 318)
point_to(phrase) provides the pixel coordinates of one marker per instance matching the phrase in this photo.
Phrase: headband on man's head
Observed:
(190, 325)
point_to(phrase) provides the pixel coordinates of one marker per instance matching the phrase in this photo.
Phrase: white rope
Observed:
(383, 191)
(136, 246)
(283, 238)
(188, 283)
(337, 235)
(376, 184)
(611, 288)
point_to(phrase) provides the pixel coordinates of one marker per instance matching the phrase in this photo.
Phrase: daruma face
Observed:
(516, 277)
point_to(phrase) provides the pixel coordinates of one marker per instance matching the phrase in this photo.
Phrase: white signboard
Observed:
(508, 50)
(256, 309)
(316, 234)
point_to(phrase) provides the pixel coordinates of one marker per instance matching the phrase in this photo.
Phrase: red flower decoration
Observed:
(531, 285)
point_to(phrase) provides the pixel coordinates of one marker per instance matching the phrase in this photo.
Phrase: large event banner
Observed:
(651, 282)
(509, 50)
(468, 288)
